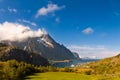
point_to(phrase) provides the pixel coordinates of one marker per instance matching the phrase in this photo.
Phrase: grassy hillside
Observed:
(106, 66)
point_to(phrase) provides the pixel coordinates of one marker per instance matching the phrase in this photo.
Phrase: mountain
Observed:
(11, 52)
(45, 46)
(76, 55)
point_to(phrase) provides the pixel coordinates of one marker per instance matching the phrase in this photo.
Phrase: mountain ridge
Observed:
(12, 52)
(46, 46)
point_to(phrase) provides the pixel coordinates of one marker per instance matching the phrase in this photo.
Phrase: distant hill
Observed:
(11, 52)
(45, 46)
(109, 65)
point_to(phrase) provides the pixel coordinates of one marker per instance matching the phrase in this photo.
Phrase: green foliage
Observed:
(47, 69)
(13, 70)
(51, 68)
(42, 69)
(67, 69)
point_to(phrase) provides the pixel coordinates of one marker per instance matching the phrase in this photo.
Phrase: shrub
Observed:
(42, 69)
(47, 69)
(67, 69)
(89, 72)
(14, 70)
(51, 69)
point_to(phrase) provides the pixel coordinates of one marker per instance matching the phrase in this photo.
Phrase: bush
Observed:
(47, 69)
(89, 72)
(51, 69)
(67, 69)
(42, 69)
(14, 70)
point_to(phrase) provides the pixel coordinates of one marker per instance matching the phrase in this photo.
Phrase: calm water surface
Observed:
(74, 62)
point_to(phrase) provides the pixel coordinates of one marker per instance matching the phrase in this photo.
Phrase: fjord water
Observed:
(74, 62)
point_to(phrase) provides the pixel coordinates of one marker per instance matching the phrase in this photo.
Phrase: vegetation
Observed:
(13, 70)
(106, 69)
(84, 72)
(68, 76)
(100, 70)
(105, 66)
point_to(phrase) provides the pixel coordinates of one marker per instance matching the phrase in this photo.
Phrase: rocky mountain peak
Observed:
(45, 46)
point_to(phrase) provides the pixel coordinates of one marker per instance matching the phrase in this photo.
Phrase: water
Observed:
(74, 63)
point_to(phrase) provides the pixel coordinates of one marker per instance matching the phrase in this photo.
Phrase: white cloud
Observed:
(12, 10)
(88, 30)
(57, 19)
(17, 32)
(51, 8)
(93, 51)
(29, 22)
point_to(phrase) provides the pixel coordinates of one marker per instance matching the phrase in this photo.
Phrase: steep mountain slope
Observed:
(45, 46)
(11, 52)
(76, 55)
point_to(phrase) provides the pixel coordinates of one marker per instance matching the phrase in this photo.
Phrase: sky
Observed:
(88, 27)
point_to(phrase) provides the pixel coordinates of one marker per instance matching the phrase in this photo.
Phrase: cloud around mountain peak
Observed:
(18, 32)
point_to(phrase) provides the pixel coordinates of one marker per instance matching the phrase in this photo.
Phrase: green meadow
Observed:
(68, 76)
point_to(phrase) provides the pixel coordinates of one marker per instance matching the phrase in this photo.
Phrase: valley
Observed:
(59, 40)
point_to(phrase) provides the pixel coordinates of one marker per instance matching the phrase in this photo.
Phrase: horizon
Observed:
(89, 27)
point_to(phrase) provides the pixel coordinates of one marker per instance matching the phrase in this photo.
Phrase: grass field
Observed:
(67, 76)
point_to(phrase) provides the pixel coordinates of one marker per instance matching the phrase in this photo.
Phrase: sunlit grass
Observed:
(68, 76)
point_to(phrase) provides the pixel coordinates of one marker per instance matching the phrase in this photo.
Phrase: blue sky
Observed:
(89, 27)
